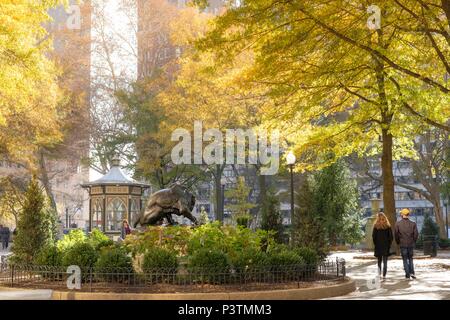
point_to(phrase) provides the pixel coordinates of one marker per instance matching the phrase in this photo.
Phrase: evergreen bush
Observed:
(81, 254)
(210, 266)
(114, 264)
(33, 231)
(160, 264)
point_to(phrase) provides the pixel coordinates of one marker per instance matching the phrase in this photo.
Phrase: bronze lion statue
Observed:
(165, 202)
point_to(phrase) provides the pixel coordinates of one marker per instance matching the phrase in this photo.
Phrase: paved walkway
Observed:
(432, 283)
(25, 294)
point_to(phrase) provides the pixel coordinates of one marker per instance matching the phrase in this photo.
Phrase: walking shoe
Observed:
(407, 276)
(413, 276)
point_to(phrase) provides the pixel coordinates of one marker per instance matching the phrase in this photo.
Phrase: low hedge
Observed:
(81, 254)
(50, 259)
(99, 240)
(444, 243)
(211, 266)
(160, 264)
(49, 256)
(309, 256)
(250, 264)
(286, 265)
(114, 264)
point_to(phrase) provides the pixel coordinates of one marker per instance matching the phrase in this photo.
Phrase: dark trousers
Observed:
(5, 243)
(383, 259)
(407, 256)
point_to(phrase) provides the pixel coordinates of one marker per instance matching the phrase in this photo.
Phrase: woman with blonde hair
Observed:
(125, 230)
(382, 239)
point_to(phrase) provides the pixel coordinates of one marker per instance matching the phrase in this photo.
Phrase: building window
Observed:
(115, 213)
(97, 217)
(134, 209)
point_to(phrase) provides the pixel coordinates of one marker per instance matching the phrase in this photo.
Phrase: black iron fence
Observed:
(172, 280)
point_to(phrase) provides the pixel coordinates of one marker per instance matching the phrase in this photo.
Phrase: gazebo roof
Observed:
(115, 176)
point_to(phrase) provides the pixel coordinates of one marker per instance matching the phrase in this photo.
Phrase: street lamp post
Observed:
(222, 198)
(446, 215)
(67, 218)
(290, 159)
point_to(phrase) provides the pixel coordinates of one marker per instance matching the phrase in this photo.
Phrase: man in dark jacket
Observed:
(1, 234)
(4, 237)
(406, 235)
(5, 234)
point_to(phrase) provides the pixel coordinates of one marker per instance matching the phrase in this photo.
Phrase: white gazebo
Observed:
(113, 198)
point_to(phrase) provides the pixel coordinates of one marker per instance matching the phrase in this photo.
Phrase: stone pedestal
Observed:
(369, 230)
(375, 203)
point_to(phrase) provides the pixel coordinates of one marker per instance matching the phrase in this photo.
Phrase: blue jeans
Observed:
(407, 256)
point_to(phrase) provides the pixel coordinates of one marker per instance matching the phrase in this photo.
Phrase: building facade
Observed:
(70, 30)
(155, 48)
(404, 197)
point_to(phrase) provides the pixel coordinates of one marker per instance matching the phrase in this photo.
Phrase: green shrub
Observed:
(250, 264)
(286, 265)
(172, 238)
(49, 260)
(444, 243)
(284, 258)
(49, 256)
(209, 266)
(429, 229)
(311, 260)
(160, 265)
(33, 232)
(309, 256)
(74, 237)
(80, 254)
(209, 236)
(114, 264)
(99, 240)
(229, 239)
(244, 220)
(157, 259)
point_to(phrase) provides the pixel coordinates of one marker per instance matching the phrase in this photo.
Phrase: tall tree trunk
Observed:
(388, 180)
(440, 219)
(446, 8)
(45, 180)
(262, 193)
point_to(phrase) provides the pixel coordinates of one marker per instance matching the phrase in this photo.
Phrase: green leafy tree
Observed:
(150, 136)
(336, 202)
(30, 97)
(328, 211)
(50, 217)
(34, 229)
(307, 228)
(12, 197)
(338, 85)
(429, 227)
(271, 218)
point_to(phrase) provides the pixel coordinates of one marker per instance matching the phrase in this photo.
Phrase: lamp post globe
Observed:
(290, 158)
